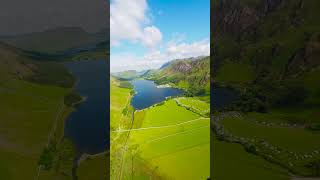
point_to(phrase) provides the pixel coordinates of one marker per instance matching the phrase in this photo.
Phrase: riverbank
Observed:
(87, 130)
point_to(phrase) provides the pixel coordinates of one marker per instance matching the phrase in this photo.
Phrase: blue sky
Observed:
(147, 33)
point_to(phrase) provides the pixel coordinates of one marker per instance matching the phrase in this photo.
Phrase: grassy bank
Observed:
(28, 115)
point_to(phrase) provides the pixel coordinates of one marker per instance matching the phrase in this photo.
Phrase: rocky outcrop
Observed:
(305, 58)
(234, 16)
(183, 67)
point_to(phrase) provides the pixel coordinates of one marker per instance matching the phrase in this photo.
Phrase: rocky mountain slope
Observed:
(271, 46)
(192, 74)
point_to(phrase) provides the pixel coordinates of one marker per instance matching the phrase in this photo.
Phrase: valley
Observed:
(32, 111)
(270, 57)
(38, 95)
(164, 138)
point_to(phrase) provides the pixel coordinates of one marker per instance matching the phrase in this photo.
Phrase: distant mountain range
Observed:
(129, 74)
(56, 40)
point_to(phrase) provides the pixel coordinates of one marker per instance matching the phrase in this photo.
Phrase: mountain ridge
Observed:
(19, 64)
(54, 40)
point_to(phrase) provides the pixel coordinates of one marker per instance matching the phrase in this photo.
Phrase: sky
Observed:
(144, 34)
(25, 16)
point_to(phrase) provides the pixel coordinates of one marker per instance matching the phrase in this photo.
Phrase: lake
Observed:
(221, 97)
(88, 125)
(148, 94)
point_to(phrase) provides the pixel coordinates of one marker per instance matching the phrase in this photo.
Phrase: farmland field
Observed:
(119, 119)
(293, 139)
(163, 141)
(234, 158)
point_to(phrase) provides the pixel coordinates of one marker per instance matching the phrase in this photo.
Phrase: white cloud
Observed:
(122, 62)
(185, 50)
(156, 58)
(129, 22)
(152, 36)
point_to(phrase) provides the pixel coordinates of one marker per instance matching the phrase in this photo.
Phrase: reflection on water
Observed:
(88, 126)
(147, 93)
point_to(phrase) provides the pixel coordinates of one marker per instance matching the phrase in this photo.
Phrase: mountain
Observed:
(271, 47)
(129, 74)
(55, 40)
(12, 63)
(268, 51)
(18, 64)
(192, 74)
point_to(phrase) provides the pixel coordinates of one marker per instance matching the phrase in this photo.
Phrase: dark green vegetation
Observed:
(72, 99)
(126, 84)
(269, 51)
(59, 159)
(192, 75)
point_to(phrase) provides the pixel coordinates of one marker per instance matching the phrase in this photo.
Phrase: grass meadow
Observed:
(94, 167)
(174, 141)
(28, 114)
(164, 141)
(293, 139)
(231, 161)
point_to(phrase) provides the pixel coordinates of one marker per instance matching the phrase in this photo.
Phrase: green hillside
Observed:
(18, 64)
(192, 75)
(127, 75)
(269, 52)
(32, 114)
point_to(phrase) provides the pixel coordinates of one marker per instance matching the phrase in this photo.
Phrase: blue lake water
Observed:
(147, 93)
(221, 97)
(88, 126)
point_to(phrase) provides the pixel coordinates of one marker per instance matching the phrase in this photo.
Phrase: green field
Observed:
(173, 141)
(94, 167)
(293, 147)
(293, 139)
(194, 104)
(231, 161)
(28, 115)
(165, 141)
(120, 118)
